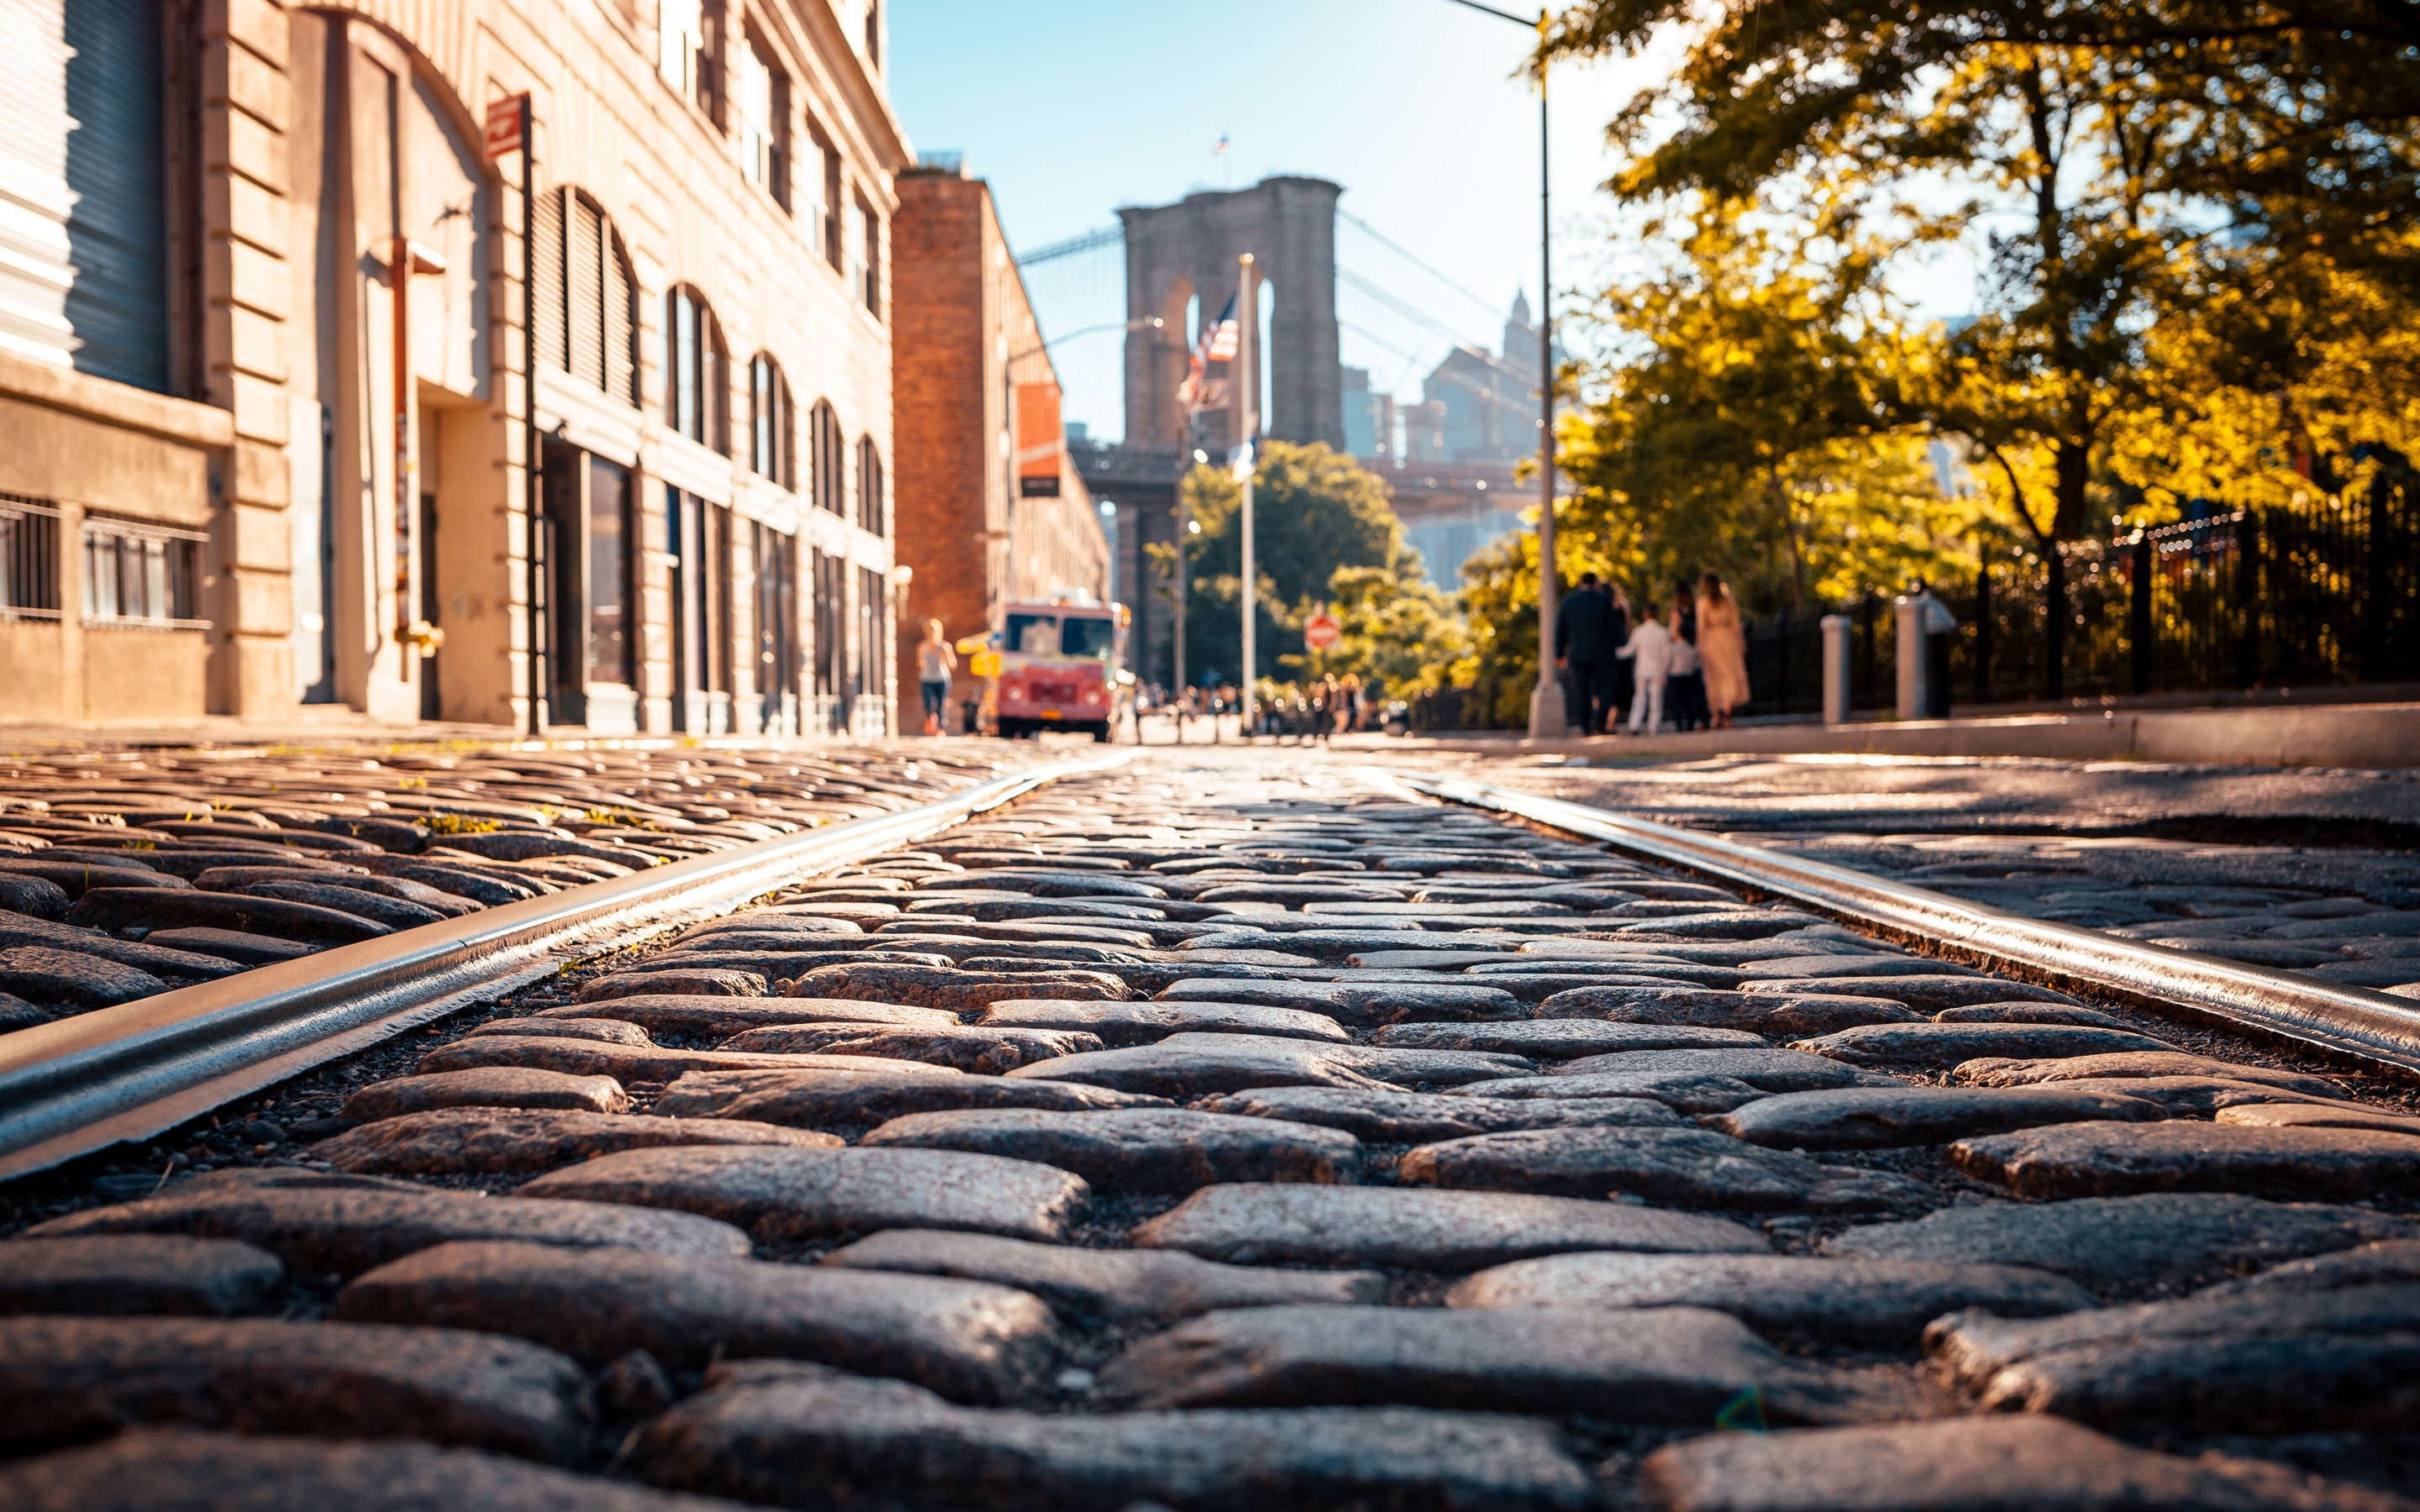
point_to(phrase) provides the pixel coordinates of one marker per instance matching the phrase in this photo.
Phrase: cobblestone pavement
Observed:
(2312, 871)
(1229, 1132)
(124, 875)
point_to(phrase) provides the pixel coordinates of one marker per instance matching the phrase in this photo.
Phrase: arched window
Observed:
(772, 430)
(697, 371)
(824, 442)
(587, 301)
(872, 509)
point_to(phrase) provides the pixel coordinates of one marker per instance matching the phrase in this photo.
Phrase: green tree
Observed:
(2157, 163)
(1323, 533)
(1746, 422)
(2038, 117)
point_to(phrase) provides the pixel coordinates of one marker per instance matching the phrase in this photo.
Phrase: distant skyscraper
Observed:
(1369, 419)
(1480, 407)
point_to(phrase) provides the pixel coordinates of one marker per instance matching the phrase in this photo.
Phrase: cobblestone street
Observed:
(1221, 1130)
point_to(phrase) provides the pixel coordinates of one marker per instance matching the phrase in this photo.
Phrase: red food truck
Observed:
(1057, 664)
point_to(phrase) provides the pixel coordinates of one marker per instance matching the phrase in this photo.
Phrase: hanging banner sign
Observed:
(1041, 444)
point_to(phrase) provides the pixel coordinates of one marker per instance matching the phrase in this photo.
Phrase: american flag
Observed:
(1217, 345)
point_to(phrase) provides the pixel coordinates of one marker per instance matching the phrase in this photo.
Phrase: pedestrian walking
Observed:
(1684, 690)
(1349, 717)
(1625, 681)
(935, 662)
(1586, 639)
(1722, 647)
(1649, 650)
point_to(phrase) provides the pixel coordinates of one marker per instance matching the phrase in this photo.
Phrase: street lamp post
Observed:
(1248, 425)
(1547, 719)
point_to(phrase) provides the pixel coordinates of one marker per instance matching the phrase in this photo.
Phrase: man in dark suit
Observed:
(1588, 632)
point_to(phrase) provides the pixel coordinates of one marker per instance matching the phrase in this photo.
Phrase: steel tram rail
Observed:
(2351, 1023)
(125, 1074)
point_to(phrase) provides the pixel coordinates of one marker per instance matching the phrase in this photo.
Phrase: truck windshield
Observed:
(1095, 638)
(1033, 635)
(1046, 635)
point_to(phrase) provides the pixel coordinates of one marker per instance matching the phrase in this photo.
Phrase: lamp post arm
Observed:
(1501, 15)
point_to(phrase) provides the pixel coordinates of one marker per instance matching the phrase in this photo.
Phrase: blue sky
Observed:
(1075, 107)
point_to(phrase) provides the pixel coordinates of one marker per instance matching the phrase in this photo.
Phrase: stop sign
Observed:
(1321, 631)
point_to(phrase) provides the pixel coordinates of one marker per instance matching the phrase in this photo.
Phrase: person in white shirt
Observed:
(935, 662)
(1649, 652)
(1684, 685)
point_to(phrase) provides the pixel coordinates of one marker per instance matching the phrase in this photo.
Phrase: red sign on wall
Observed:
(504, 128)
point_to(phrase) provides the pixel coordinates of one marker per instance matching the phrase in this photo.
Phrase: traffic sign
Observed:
(1321, 631)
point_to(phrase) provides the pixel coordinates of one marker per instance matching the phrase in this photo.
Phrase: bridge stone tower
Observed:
(1179, 252)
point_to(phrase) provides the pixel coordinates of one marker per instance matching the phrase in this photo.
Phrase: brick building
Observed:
(990, 507)
(266, 382)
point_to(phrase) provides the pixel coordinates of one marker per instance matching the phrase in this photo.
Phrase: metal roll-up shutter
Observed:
(118, 233)
(621, 334)
(35, 265)
(586, 279)
(546, 235)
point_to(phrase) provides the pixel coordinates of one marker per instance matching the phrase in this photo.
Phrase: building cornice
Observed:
(115, 403)
(868, 101)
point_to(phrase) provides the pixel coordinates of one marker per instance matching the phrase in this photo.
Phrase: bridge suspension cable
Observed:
(1108, 236)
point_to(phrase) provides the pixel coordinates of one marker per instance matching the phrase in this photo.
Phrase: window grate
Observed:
(143, 574)
(29, 557)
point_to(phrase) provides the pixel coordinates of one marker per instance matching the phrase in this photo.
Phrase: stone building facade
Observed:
(273, 378)
(991, 506)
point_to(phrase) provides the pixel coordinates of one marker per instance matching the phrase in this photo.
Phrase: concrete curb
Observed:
(2352, 734)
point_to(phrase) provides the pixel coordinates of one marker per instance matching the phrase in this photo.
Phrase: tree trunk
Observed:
(2055, 622)
(1790, 533)
(2072, 463)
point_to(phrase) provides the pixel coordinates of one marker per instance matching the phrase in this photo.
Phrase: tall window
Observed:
(824, 445)
(827, 213)
(870, 249)
(830, 588)
(761, 97)
(776, 556)
(874, 33)
(587, 309)
(772, 449)
(697, 371)
(872, 511)
(611, 641)
(873, 640)
(681, 36)
(689, 52)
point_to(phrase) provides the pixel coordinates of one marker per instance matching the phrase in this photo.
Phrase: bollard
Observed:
(1836, 668)
(1908, 620)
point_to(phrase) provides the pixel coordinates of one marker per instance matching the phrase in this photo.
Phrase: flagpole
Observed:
(1247, 330)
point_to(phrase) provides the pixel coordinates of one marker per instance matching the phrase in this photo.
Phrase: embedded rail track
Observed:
(1263, 1133)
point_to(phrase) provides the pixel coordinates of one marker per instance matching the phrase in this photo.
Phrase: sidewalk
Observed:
(2340, 734)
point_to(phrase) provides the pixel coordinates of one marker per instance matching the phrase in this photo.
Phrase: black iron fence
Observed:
(2325, 590)
(2322, 590)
